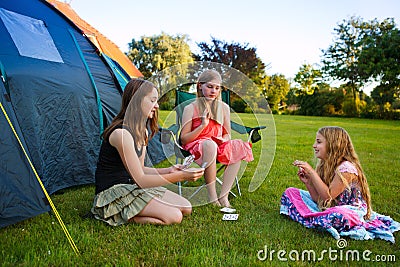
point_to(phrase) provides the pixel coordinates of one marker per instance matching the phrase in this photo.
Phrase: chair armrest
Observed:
(166, 133)
(254, 134)
(174, 128)
(165, 138)
(259, 127)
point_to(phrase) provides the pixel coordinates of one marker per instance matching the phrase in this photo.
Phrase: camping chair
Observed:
(182, 99)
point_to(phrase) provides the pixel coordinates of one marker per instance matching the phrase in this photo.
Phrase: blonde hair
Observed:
(339, 148)
(215, 107)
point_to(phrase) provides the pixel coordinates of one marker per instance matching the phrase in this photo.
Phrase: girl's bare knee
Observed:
(186, 210)
(174, 217)
(209, 146)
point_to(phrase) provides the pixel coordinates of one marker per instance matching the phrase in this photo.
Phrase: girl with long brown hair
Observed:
(126, 190)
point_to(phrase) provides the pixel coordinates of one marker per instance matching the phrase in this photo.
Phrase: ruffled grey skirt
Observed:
(122, 202)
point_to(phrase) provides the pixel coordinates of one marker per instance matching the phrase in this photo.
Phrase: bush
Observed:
(238, 105)
(166, 106)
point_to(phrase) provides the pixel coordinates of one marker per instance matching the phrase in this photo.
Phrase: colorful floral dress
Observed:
(344, 219)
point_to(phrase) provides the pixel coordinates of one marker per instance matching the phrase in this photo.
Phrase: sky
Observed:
(285, 33)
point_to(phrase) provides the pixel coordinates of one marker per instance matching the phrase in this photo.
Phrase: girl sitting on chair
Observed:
(206, 135)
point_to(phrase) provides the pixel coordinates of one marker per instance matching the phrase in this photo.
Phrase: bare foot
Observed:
(224, 202)
(216, 203)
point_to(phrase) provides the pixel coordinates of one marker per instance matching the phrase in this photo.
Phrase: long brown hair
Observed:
(131, 113)
(339, 149)
(214, 109)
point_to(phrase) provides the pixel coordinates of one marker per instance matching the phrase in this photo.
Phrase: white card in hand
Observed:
(187, 161)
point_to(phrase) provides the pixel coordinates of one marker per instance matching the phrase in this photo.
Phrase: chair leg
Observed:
(218, 180)
(238, 186)
(197, 190)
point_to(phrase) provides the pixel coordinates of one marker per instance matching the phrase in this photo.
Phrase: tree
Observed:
(276, 89)
(365, 51)
(240, 57)
(164, 59)
(235, 55)
(158, 52)
(308, 78)
(323, 101)
(382, 97)
(340, 59)
(380, 56)
(379, 60)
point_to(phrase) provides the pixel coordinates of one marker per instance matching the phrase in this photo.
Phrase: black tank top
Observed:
(110, 168)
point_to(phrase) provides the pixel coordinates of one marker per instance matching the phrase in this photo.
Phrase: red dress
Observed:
(228, 152)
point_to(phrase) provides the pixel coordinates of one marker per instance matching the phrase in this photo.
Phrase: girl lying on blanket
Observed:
(338, 198)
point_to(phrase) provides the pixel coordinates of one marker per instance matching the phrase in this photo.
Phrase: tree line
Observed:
(362, 53)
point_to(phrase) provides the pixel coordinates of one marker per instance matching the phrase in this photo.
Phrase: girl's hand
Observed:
(302, 176)
(304, 172)
(205, 118)
(306, 168)
(192, 174)
(175, 168)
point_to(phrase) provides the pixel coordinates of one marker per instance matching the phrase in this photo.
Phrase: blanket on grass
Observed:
(345, 219)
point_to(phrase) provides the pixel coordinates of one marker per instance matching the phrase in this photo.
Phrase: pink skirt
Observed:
(228, 152)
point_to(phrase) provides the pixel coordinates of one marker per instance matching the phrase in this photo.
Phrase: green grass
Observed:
(203, 239)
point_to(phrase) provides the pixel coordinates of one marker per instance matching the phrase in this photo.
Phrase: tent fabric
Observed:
(119, 72)
(58, 108)
(55, 103)
(20, 198)
(105, 45)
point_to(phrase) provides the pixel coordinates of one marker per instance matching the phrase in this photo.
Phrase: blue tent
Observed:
(57, 95)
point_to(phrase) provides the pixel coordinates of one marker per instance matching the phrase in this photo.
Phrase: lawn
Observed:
(260, 236)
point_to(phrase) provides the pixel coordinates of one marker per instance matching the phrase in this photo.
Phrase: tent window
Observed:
(30, 36)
